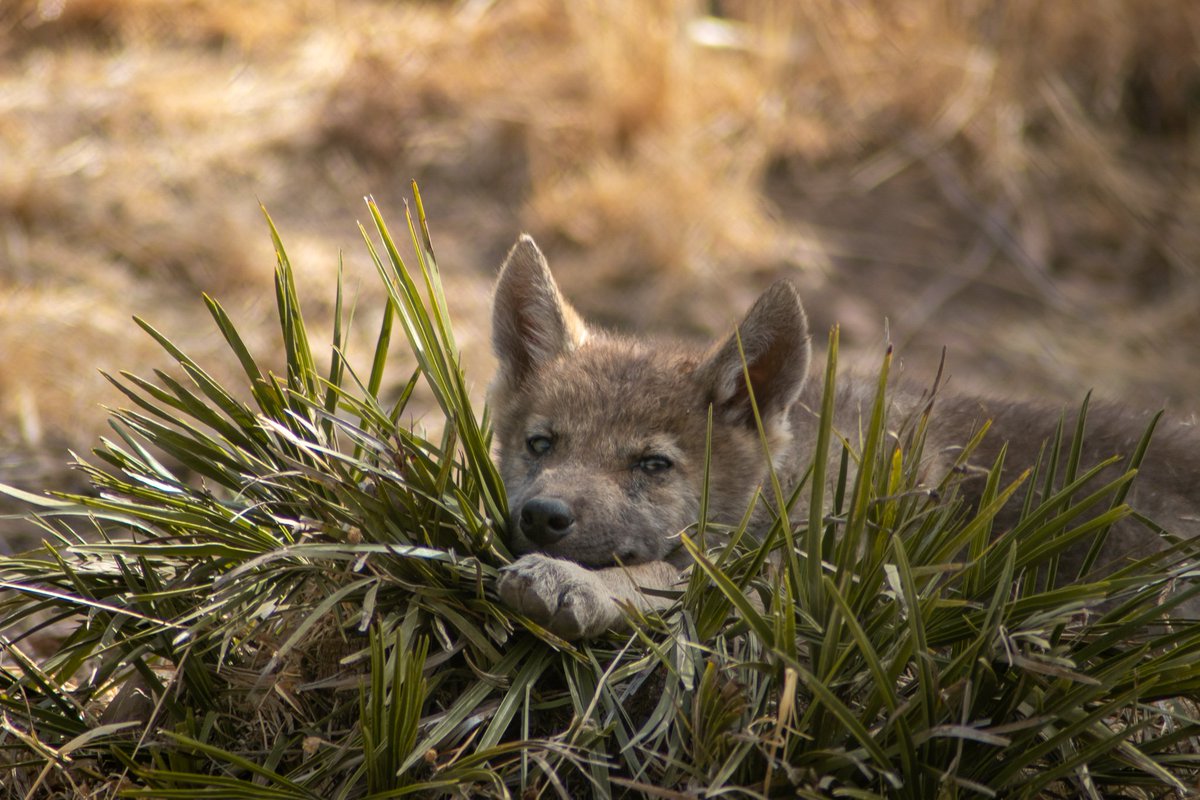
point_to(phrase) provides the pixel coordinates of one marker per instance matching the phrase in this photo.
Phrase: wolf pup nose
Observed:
(545, 520)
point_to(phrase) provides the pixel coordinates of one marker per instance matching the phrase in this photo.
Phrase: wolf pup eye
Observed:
(655, 464)
(539, 445)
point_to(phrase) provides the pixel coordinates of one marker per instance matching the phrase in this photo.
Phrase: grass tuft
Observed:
(277, 590)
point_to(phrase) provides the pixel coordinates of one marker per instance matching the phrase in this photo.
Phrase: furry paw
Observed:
(565, 598)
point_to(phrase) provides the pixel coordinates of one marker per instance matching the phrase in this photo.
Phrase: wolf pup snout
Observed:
(546, 520)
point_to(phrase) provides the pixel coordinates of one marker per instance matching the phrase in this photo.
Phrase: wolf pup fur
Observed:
(600, 440)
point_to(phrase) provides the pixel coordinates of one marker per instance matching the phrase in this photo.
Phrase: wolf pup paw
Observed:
(568, 600)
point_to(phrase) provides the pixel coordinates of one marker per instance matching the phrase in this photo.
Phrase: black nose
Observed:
(545, 520)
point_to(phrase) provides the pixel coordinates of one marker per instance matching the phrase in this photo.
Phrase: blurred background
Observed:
(1017, 182)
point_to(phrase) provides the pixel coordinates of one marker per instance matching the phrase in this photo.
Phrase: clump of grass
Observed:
(309, 613)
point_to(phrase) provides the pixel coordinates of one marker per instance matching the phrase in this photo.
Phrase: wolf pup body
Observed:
(601, 439)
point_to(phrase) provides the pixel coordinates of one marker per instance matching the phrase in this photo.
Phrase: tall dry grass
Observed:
(1017, 181)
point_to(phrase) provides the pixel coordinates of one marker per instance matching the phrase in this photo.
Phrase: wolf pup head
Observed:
(600, 438)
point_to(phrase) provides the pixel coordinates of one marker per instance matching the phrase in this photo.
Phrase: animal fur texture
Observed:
(600, 439)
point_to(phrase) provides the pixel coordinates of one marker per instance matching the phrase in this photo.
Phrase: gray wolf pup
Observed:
(600, 440)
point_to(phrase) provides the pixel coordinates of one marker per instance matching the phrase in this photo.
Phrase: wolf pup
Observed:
(600, 440)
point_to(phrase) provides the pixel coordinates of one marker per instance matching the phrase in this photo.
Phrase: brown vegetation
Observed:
(1018, 181)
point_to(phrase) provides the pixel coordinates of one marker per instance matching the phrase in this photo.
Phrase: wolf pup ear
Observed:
(775, 341)
(531, 322)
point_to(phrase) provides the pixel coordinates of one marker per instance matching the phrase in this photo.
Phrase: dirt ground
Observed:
(1018, 183)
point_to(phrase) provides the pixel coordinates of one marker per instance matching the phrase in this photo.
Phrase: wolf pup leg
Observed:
(579, 603)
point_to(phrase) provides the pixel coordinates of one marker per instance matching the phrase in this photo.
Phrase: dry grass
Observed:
(1018, 182)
